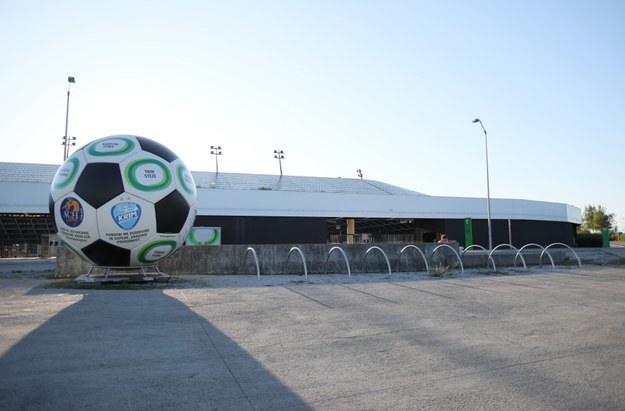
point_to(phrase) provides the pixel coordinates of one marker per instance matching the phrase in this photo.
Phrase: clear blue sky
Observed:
(389, 87)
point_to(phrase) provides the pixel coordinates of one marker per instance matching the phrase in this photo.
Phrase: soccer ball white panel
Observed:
(126, 221)
(184, 233)
(185, 182)
(111, 149)
(76, 221)
(147, 176)
(155, 249)
(66, 176)
(111, 198)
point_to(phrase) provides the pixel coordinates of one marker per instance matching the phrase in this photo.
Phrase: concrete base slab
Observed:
(526, 341)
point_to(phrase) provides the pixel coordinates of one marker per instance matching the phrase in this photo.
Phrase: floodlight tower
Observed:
(279, 154)
(66, 140)
(490, 233)
(216, 151)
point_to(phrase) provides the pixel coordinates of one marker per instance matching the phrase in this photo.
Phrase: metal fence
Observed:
(21, 250)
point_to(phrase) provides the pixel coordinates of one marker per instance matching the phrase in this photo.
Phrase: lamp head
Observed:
(477, 120)
(71, 80)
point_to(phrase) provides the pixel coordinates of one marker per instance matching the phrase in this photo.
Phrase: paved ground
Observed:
(539, 341)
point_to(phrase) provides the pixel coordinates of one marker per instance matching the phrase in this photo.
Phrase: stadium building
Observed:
(272, 209)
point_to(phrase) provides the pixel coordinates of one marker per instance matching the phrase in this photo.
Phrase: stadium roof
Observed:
(44, 173)
(27, 172)
(236, 181)
(25, 188)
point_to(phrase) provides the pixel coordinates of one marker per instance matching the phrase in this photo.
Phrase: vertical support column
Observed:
(418, 236)
(351, 230)
(468, 232)
(605, 236)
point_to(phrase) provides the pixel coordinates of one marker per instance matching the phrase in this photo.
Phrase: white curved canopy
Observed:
(24, 188)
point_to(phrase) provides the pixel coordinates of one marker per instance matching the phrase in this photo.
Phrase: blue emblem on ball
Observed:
(126, 215)
(72, 212)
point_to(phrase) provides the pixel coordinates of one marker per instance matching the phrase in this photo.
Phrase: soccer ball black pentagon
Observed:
(123, 201)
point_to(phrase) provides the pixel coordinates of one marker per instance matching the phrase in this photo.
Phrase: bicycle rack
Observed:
(409, 246)
(514, 248)
(349, 271)
(301, 253)
(375, 247)
(561, 244)
(452, 249)
(255, 260)
(489, 257)
(535, 245)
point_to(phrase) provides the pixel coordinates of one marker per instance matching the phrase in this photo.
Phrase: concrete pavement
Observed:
(533, 341)
(27, 266)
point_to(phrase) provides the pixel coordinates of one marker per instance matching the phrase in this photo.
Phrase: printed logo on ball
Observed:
(66, 173)
(185, 177)
(111, 146)
(148, 175)
(126, 215)
(156, 251)
(72, 212)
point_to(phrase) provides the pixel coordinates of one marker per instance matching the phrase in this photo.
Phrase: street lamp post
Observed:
(490, 232)
(66, 139)
(216, 151)
(279, 154)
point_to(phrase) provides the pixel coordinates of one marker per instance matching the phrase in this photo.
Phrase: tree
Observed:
(595, 218)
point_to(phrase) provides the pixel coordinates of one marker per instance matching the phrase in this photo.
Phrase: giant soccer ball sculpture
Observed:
(123, 201)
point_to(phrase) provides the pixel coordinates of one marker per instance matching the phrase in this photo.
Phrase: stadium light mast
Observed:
(66, 139)
(216, 151)
(279, 154)
(490, 232)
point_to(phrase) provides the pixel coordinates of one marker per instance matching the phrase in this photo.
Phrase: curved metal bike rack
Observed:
(514, 248)
(255, 260)
(579, 262)
(452, 249)
(425, 260)
(488, 256)
(349, 271)
(301, 253)
(375, 247)
(535, 245)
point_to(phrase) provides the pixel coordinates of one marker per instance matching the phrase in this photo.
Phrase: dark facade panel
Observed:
(267, 230)
(515, 232)
(543, 233)
(320, 230)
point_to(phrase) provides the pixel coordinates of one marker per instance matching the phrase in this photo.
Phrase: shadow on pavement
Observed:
(117, 349)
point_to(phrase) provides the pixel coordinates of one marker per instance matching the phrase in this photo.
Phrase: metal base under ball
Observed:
(104, 275)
